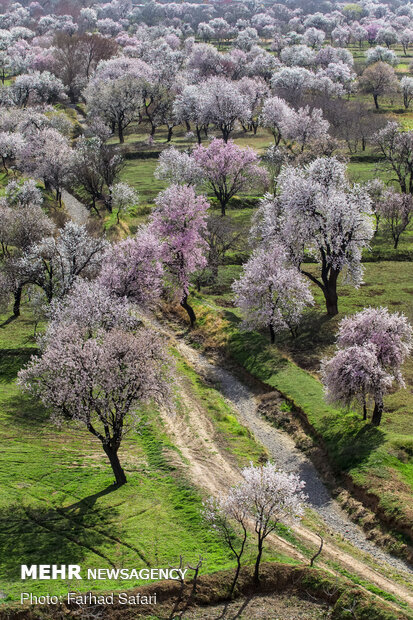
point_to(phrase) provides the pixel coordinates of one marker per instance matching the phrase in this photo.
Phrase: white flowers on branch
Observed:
(265, 497)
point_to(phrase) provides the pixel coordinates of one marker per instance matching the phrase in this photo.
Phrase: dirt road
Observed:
(210, 468)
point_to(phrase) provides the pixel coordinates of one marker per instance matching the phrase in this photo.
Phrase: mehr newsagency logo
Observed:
(74, 571)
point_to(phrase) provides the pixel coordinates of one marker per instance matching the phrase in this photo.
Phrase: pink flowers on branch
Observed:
(132, 268)
(99, 380)
(222, 168)
(228, 169)
(372, 346)
(179, 223)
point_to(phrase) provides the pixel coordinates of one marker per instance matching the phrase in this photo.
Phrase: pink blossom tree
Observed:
(179, 222)
(390, 333)
(227, 169)
(354, 374)
(373, 344)
(91, 306)
(99, 381)
(270, 293)
(133, 268)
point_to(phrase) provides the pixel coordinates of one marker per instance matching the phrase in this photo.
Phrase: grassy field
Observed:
(57, 498)
(379, 459)
(58, 504)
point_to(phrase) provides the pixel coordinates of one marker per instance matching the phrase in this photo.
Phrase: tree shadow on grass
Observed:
(26, 411)
(252, 350)
(11, 318)
(352, 442)
(54, 535)
(232, 317)
(11, 361)
(20, 408)
(316, 332)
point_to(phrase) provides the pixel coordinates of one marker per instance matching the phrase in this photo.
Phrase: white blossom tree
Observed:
(318, 213)
(271, 293)
(123, 198)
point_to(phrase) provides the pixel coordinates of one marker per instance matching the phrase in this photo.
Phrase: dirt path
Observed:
(212, 470)
(75, 209)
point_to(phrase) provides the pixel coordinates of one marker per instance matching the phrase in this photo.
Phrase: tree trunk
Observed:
(331, 299)
(112, 455)
(364, 411)
(198, 135)
(170, 130)
(257, 563)
(376, 103)
(377, 413)
(120, 134)
(272, 333)
(214, 271)
(223, 203)
(188, 126)
(17, 300)
(234, 581)
(189, 309)
(238, 556)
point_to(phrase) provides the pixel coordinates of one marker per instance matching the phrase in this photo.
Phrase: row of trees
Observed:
(98, 362)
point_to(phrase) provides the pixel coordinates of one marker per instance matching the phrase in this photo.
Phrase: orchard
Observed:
(206, 245)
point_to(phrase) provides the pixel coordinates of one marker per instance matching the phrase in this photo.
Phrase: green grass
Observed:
(386, 283)
(236, 438)
(381, 459)
(58, 504)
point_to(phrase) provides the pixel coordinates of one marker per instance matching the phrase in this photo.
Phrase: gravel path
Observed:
(283, 451)
(75, 209)
(279, 444)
